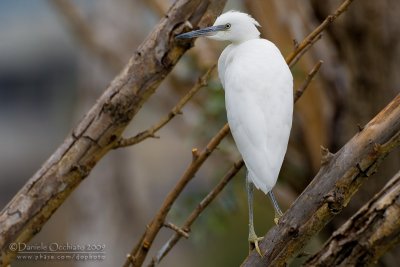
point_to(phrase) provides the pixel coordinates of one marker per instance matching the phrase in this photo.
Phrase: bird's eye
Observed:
(228, 26)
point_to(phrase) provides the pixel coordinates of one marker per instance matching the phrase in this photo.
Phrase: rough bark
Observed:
(102, 126)
(367, 44)
(340, 176)
(366, 236)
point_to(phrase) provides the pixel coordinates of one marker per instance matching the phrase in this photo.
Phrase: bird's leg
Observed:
(253, 239)
(278, 211)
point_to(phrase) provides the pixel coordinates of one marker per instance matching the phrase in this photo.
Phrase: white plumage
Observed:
(259, 97)
(259, 100)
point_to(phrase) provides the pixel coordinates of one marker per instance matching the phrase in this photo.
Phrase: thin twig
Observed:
(201, 82)
(85, 35)
(305, 44)
(179, 231)
(304, 50)
(140, 251)
(299, 92)
(198, 210)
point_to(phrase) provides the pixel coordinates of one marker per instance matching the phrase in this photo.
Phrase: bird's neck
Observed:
(243, 40)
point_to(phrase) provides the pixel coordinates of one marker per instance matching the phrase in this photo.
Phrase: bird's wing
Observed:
(259, 104)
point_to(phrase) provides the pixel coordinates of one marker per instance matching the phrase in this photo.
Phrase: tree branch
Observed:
(304, 50)
(367, 235)
(201, 82)
(96, 134)
(139, 252)
(178, 230)
(332, 188)
(299, 92)
(197, 211)
(315, 35)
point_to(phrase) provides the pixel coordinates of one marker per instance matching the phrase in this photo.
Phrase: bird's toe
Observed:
(253, 244)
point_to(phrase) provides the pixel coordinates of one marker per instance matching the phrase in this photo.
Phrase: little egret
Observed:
(259, 101)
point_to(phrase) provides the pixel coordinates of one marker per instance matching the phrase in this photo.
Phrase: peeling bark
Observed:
(366, 236)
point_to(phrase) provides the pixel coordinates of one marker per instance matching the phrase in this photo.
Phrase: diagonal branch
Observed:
(299, 92)
(178, 230)
(198, 210)
(315, 34)
(139, 252)
(96, 134)
(201, 82)
(368, 234)
(339, 178)
(304, 50)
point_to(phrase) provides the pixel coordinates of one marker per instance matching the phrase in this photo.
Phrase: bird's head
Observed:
(232, 26)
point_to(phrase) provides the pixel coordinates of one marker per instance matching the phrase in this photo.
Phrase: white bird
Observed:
(259, 101)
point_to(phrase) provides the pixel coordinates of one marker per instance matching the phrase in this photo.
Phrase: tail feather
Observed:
(259, 183)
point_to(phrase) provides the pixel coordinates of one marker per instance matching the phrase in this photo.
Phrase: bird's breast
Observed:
(259, 103)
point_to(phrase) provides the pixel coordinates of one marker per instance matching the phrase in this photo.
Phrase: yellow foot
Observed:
(253, 243)
(277, 218)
